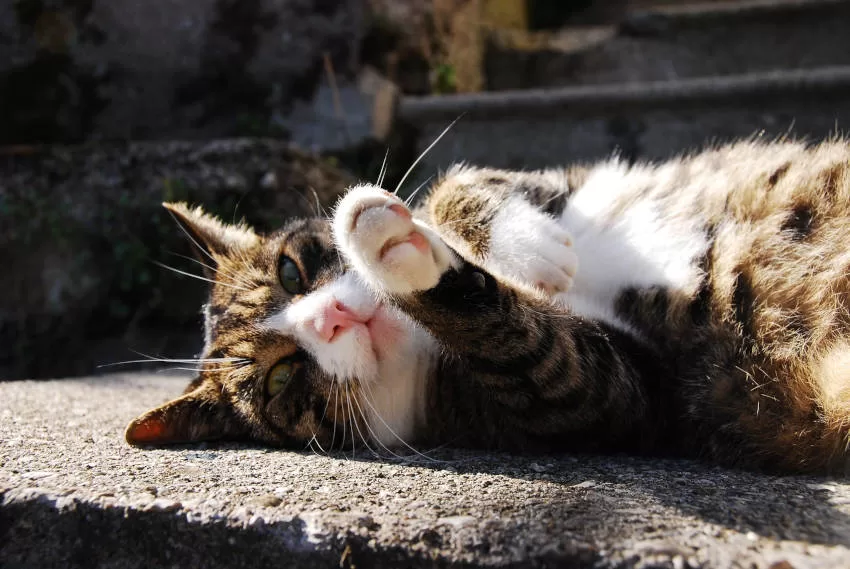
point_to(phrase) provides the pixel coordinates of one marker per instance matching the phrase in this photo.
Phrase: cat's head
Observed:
(297, 349)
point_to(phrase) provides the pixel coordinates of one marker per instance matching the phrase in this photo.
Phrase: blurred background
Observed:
(267, 109)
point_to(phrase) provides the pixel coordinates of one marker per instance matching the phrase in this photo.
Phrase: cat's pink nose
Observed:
(334, 319)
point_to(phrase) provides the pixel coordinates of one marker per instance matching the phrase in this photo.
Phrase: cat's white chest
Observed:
(619, 247)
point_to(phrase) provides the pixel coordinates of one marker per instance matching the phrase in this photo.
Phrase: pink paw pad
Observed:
(414, 238)
(401, 211)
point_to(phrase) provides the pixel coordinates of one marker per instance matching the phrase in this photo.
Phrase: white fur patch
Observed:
(396, 401)
(531, 247)
(393, 384)
(831, 381)
(633, 248)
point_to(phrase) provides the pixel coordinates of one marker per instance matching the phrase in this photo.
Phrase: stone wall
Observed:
(73, 70)
(82, 228)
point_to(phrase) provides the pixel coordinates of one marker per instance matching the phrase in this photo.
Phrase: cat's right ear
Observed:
(211, 238)
(199, 415)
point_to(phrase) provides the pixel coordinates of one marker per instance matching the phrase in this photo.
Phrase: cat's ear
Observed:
(211, 237)
(199, 415)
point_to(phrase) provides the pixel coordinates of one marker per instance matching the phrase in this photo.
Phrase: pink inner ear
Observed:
(147, 430)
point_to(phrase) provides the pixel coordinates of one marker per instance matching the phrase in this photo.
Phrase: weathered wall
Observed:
(73, 70)
(82, 227)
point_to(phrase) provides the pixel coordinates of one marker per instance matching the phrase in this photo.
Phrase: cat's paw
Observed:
(395, 253)
(530, 246)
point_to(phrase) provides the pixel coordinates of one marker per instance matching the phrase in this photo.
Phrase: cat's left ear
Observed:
(211, 237)
(200, 415)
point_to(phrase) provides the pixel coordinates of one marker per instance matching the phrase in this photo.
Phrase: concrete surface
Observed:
(691, 93)
(73, 494)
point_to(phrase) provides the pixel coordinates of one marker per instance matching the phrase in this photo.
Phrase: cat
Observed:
(696, 307)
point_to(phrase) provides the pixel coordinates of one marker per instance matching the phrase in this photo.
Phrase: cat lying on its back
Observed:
(698, 307)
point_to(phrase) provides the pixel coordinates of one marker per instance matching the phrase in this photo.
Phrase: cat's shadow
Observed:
(605, 488)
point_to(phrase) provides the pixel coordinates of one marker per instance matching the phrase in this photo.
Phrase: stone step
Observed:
(546, 127)
(676, 41)
(74, 495)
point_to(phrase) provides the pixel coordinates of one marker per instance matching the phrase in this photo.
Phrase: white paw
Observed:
(391, 251)
(530, 246)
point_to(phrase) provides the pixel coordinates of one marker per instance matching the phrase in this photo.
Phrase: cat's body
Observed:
(698, 307)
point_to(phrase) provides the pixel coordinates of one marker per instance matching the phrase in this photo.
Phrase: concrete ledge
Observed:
(601, 99)
(645, 121)
(73, 494)
(701, 10)
(675, 41)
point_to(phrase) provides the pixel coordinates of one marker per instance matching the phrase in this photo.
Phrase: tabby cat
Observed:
(697, 307)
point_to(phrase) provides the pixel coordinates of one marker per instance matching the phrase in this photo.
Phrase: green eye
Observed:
(290, 276)
(279, 376)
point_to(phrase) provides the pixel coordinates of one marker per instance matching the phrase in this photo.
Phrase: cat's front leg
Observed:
(524, 350)
(527, 245)
(403, 259)
(393, 252)
(481, 215)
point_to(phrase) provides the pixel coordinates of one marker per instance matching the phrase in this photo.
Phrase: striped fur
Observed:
(698, 307)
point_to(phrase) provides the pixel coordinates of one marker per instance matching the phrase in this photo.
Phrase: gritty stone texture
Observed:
(83, 226)
(73, 494)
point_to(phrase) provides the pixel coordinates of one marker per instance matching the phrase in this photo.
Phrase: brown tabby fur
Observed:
(749, 366)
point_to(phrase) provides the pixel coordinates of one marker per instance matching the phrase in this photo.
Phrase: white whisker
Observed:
(196, 369)
(194, 260)
(372, 432)
(236, 207)
(383, 171)
(240, 361)
(312, 440)
(190, 236)
(392, 431)
(409, 199)
(351, 420)
(362, 437)
(320, 211)
(421, 156)
(200, 278)
(344, 421)
(324, 414)
(336, 408)
(233, 278)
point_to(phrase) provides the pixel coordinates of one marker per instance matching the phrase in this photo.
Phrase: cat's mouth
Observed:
(377, 330)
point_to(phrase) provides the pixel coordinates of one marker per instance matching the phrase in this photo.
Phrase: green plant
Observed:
(444, 79)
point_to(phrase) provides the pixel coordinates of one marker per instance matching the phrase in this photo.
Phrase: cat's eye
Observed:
(280, 375)
(290, 276)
